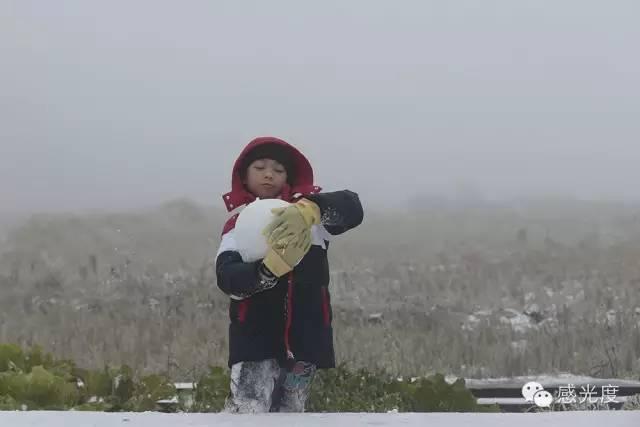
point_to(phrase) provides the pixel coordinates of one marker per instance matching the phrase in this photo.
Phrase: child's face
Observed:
(265, 178)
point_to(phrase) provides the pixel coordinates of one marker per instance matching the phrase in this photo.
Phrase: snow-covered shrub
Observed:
(8, 403)
(59, 384)
(434, 394)
(38, 389)
(211, 390)
(341, 390)
(149, 390)
(97, 384)
(632, 403)
(11, 357)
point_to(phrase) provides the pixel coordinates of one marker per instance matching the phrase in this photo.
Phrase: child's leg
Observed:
(252, 386)
(295, 387)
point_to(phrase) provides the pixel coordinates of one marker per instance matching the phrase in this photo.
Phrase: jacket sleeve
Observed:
(237, 278)
(340, 211)
(240, 279)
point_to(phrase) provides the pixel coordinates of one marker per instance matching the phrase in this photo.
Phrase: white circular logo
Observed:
(529, 389)
(543, 399)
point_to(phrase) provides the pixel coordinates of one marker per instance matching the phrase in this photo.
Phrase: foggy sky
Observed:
(115, 104)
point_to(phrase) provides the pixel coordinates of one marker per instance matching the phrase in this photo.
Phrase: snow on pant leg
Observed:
(252, 385)
(296, 387)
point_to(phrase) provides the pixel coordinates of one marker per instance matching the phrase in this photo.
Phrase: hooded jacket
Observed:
(294, 317)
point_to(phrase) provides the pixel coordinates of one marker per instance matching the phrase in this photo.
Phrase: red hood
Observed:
(303, 184)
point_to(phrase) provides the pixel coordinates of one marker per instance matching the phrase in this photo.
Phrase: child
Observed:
(280, 314)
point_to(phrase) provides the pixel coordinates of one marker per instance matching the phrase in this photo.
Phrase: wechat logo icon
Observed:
(533, 392)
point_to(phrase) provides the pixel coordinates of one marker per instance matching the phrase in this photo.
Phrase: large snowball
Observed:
(251, 244)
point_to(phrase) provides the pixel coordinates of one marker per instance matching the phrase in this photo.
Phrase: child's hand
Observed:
(292, 222)
(283, 256)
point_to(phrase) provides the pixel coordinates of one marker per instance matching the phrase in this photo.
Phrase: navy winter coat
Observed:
(296, 314)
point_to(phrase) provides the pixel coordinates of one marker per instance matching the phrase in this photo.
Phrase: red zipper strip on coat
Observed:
(325, 306)
(242, 310)
(287, 329)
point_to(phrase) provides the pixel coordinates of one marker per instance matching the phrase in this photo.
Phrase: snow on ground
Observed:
(154, 419)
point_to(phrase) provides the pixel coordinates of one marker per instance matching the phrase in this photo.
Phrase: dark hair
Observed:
(270, 151)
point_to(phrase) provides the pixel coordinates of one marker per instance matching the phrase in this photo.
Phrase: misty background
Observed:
(494, 146)
(125, 104)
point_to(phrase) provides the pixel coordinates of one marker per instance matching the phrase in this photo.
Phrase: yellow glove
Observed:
(282, 258)
(290, 222)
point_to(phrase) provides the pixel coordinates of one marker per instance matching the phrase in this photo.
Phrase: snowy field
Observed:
(153, 419)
